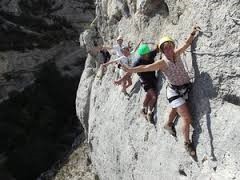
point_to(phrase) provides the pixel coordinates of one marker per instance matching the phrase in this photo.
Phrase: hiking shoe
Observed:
(171, 129)
(125, 93)
(189, 148)
(150, 117)
(144, 111)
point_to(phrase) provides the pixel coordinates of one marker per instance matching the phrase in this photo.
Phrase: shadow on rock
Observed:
(202, 91)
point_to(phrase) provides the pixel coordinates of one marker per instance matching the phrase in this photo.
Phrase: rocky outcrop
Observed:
(91, 66)
(34, 32)
(40, 67)
(123, 145)
(77, 165)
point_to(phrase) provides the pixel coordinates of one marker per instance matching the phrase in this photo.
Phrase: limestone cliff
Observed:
(123, 145)
(40, 67)
(35, 32)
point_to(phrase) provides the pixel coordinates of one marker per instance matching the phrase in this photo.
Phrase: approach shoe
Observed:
(144, 111)
(125, 93)
(150, 117)
(190, 148)
(171, 129)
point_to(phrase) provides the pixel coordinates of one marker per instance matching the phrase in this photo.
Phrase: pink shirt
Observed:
(175, 73)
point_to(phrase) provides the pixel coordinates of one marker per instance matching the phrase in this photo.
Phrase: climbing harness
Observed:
(177, 89)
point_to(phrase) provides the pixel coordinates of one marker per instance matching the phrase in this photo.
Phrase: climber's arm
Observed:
(112, 62)
(158, 65)
(188, 42)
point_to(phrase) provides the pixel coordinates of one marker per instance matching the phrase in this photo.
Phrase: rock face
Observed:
(78, 166)
(40, 67)
(123, 145)
(34, 32)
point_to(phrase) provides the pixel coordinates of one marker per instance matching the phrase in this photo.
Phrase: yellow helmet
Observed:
(165, 39)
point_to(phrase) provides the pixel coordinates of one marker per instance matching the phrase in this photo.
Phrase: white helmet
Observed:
(119, 38)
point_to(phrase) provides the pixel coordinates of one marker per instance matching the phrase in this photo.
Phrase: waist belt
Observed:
(177, 89)
(184, 86)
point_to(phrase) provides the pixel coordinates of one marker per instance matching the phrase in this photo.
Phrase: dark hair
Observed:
(124, 47)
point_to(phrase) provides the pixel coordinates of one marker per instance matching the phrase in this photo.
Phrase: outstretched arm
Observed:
(158, 65)
(188, 42)
(112, 62)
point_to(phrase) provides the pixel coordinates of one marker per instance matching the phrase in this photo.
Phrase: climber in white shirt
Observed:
(125, 59)
(117, 47)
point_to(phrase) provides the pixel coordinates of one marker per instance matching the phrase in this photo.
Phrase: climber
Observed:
(178, 83)
(125, 59)
(131, 57)
(117, 47)
(115, 50)
(98, 49)
(102, 56)
(106, 55)
(148, 79)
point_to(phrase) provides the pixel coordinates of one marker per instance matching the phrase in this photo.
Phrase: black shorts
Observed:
(149, 85)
